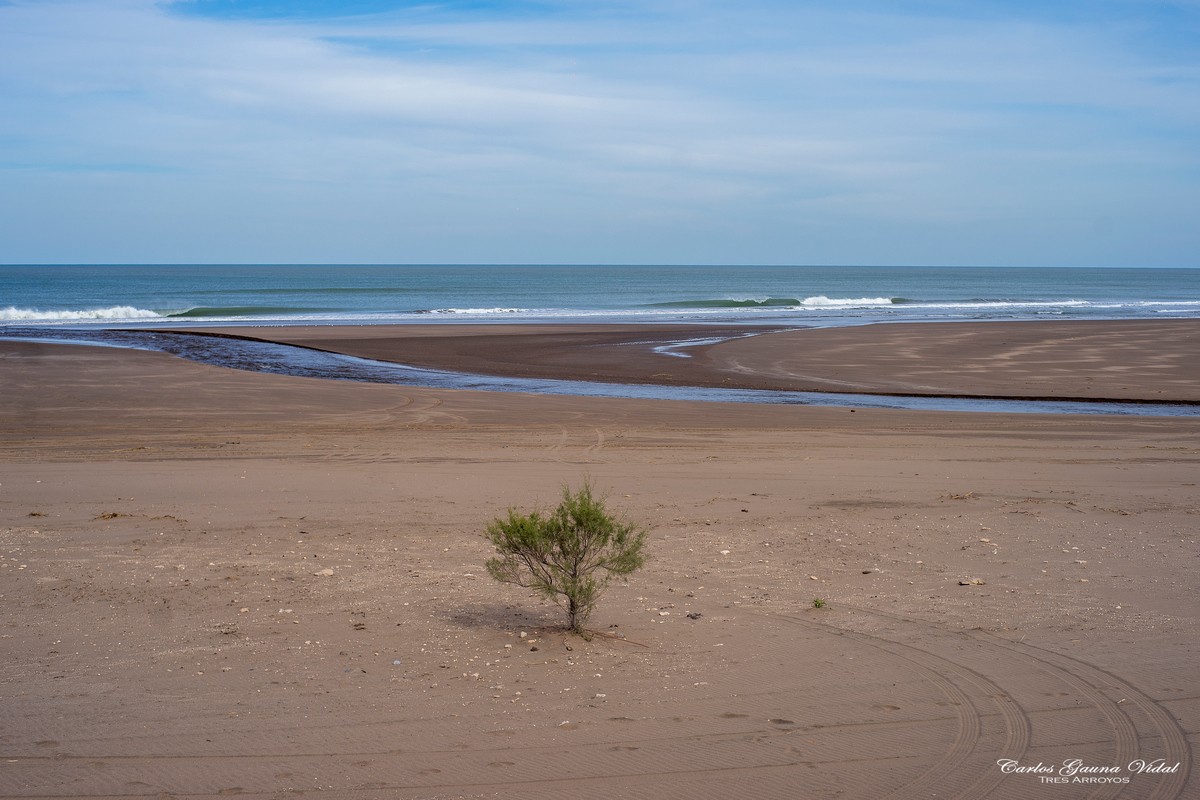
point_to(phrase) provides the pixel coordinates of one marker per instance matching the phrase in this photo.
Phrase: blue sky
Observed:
(616, 131)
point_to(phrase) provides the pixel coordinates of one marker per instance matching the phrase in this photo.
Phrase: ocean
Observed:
(192, 295)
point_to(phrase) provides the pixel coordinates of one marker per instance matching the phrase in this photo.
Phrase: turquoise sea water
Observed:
(116, 295)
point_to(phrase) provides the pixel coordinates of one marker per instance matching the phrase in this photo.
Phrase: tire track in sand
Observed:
(1150, 733)
(953, 680)
(1008, 700)
(1175, 746)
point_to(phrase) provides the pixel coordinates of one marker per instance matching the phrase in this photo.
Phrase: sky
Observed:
(989, 132)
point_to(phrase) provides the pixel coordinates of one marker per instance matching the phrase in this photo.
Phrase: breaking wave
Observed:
(472, 311)
(817, 301)
(13, 314)
(821, 301)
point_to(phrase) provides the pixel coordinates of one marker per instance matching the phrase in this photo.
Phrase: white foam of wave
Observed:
(479, 311)
(1008, 304)
(14, 314)
(1189, 303)
(821, 301)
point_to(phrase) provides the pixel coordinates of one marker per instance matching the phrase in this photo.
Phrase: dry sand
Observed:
(222, 583)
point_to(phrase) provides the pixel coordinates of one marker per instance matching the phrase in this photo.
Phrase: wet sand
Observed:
(1087, 360)
(220, 583)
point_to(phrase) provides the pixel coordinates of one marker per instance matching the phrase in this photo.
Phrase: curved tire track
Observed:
(1091, 683)
(950, 679)
(996, 688)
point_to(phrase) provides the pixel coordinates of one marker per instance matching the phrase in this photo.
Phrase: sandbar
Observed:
(1129, 360)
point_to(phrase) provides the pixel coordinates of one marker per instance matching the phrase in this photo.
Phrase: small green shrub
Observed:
(818, 602)
(569, 556)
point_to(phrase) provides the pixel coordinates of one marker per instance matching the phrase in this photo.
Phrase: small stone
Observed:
(324, 572)
(694, 615)
(971, 582)
(725, 552)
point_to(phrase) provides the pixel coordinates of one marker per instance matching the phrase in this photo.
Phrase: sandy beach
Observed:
(222, 583)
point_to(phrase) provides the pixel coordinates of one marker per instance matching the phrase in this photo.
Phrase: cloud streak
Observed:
(624, 131)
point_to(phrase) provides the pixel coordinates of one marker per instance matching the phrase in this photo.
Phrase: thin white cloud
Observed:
(665, 114)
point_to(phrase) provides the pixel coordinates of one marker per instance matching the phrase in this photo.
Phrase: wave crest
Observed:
(728, 303)
(821, 301)
(817, 301)
(472, 311)
(14, 314)
(241, 311)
